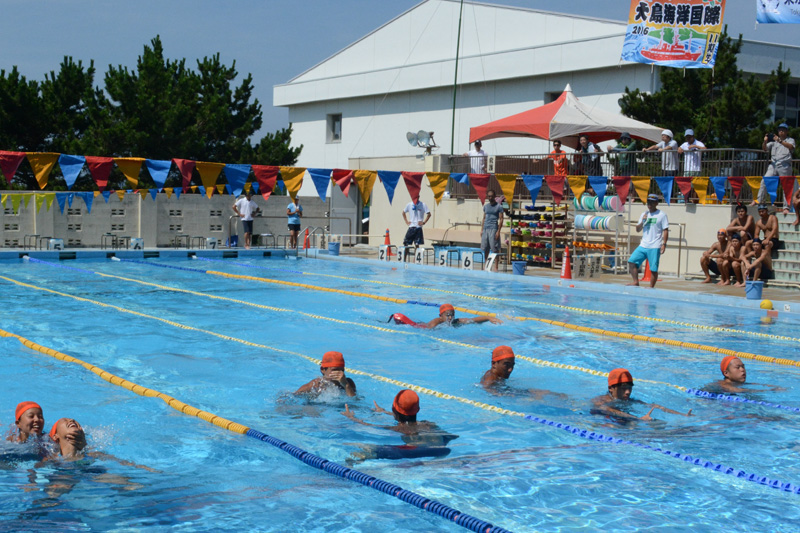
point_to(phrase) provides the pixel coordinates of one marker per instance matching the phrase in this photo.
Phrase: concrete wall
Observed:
(157, 222)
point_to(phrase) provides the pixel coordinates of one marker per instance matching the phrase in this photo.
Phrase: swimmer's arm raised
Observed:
(480, 320)
(349, 414)
(308, 387)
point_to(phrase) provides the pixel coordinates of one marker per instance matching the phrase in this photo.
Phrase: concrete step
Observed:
(786, 264)
(790, 246)
(787, 276)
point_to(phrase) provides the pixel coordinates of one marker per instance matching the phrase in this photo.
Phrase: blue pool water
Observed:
(512, 472)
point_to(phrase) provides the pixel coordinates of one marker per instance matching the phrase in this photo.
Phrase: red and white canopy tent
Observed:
(565, 119)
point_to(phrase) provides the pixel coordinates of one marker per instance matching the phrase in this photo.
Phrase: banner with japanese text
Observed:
(778, 11)
(674, 33)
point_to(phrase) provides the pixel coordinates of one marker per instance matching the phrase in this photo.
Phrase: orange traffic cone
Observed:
(387, 242)
(566, 266)
(647, 273)
(305, 241)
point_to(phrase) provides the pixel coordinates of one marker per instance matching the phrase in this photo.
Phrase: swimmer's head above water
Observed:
(733, 369)
(503, 361)
(620, 384)
(447, 312)
(332, 366)
(29, 419)
(405, 406)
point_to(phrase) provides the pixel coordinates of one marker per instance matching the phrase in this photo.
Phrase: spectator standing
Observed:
(559, 157)
(587, 158)
(627, 159)
(669, 153)
(490, 228)
(294, 211)
(654, 226)
(245, 208)
(780, 148)
(477, 159)
(415, 215)
(691, 150)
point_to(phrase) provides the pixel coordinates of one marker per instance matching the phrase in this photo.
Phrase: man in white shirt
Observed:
(418, 214)
(655, 227)
(669, 157)
(245, 208)
(780, 147)
(691, 150)
(477, 159)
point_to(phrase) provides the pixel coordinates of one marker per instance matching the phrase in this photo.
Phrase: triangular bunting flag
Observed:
(771, 184)
(534, 185)
(209, 172)
(600, 185)
(755, 184)
(106, 195)
(221, 188)
(185, 167)
(42, 164)
(130, 167)
(480, 182)
(61, 197)
(159, 170)
(321, 178)
(460, 177)
(736, 185)
(26, 199)
(16, 199)
(700, 186)
(202, 190)
(622, 184)
(168, 191)
(38, 201)
(237, 175)
(718, 183)
(577, 185)
(9, 163)
(508, 183)
(413, 184)
(389, 179)
(100, 169)
(438, 183)
(365, 180)
(3, 199)
(178, 191)
(143, 193)
(641, 184)
(665, 185)
(71, 166)
(685, 185)
(120, 195)
(153, 193)
(49, 199)
(293, 179)
(787, 184)
(88, 199)
(266, 176)
(343, 177)
(556, 185)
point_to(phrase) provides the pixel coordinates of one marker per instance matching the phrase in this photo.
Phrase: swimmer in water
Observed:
(620, 386)
(734, 378)
(333, 377)
(447, 316)
(494, 379)
(30, 422)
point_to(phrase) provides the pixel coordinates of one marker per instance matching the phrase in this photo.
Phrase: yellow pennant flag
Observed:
(143, 193)
(293, 179)
(38, 201)
(120, 195)
(755, 184)
(700, 185)
(42, 164)
(248, 186)
(3, 199)
(365, 180)
(194, 188)
(26, 199)
(438, 182)
(16, 199)
(169, 191)
(220, 188)
(130, 168)
(507, 184)
(50, 197)
(209, 172)
(97, 193)
(577, 184)
(642, 186)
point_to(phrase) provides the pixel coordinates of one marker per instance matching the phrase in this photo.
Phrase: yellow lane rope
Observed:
(568, 308)
(585, 329)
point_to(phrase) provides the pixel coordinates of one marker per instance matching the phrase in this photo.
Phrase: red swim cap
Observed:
(619, 375)
(502, 352)
(726, 363)
(332, 359)
(406, 402)
(53, 430)
(446, 307)
(24, 406)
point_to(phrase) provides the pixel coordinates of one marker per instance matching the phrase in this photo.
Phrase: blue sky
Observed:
(274, 40)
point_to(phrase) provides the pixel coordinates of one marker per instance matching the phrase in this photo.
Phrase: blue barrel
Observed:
(519, 267)
(752, 289)
(333, 248)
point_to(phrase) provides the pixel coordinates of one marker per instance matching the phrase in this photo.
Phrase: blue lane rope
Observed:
(417, 500)
(716, 467)
(148, 263)
(229, 262)
(739, 399)
(57, 265)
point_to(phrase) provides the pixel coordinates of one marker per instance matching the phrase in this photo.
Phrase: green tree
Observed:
(725, 106)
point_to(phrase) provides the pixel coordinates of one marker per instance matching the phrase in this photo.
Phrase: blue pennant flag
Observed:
(665, 184)
(534, 184)
(719, 183)
(88, 199)
(70, 198)
(178, 191)
(600, 185)
(61, 198)
(201, 189)
(153, 193)
(281, 186)
(771, 183)
(389, 180)
(460, 177)
(254, 187)
(158, 171)
(321, 178)
(106, 195)
(236, 174)
(71, 166)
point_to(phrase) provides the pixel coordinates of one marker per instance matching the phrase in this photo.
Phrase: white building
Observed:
(360, 102)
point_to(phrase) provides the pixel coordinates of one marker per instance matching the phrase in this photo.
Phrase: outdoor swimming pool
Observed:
(512, 472)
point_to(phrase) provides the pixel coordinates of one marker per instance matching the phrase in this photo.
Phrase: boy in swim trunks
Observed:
(713, 261)
(733, 256)
(757, 263)
(620, 386)
(447, 316)
(768, 224)
(734, 377)
(333, 377)
(742, 223)
(29, 420)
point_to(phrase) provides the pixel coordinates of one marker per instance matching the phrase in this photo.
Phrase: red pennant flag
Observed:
(9, 162)
(736, 185)
(413, 183)
(787, 184)
(342, 178)
(556, 184)
(186, 167)
(622, 184)
(100, 169)
(685, 185)
(266, 176)
(480, 182)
